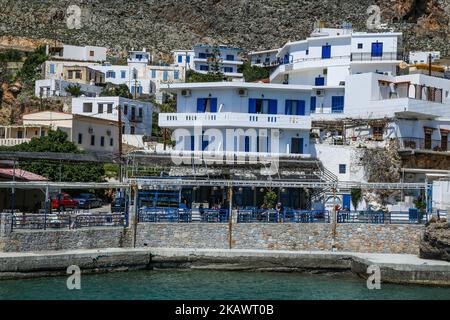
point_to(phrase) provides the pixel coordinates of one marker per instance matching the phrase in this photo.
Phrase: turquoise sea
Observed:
(189, 284)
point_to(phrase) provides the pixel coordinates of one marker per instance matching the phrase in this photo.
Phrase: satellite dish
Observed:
(403, 65)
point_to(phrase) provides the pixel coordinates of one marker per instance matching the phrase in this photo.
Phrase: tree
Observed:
(121, 90)
(56, 141)
(192, 76)
(74, 90)
(356, 195)
(270, 199)
(30, 70)
(253, 73)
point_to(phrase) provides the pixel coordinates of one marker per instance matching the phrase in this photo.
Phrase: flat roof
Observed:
(264, 51)
(233, 84)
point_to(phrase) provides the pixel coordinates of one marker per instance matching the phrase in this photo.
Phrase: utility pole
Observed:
(165, 138)
(429, 64)
(119, 108)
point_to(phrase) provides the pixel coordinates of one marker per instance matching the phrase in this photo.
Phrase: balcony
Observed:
(135, 119)
(367, 56)
(408, 143)
(9, 142)
(234, 120)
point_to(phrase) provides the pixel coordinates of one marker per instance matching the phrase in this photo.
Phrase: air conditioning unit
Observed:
(320, 93)
(186, 93)
(243, 92)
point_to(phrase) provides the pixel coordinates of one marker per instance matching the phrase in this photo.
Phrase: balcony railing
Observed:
(235, 119)
(13, 141)
(367, 56)
(423, 144)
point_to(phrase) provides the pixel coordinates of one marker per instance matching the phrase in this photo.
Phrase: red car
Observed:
(63, 201)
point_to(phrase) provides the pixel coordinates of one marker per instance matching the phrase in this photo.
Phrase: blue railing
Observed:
(380, 217)
(214, 215)
(164, 215)
(306, 216)
(259, 215)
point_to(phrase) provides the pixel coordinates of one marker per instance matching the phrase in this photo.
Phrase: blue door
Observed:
(251, 105)
(272, 106)
(213, 105)
(326, 51)
(286, 59)
(320, 81)
(300, 107)
(313, 104)
(247, 144)
(377, 49)
(297, 145)
(346, 199)
(200, 105)
(337, 104)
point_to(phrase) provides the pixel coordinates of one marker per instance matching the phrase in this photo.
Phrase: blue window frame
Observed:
(360, 45)
(228, 69)
(319, 81)
(307, 52)
(176, 74)
(337, 104)
(206, 105)
(165, 75)
(262, 106)
(297, 145)
(123, 74)
(180, 59)
(153, 74)
(346, 200)
(295, 107)
(377, 49)
(202, 55)
(110, 74)
(313, 104)
(192, 143)
(326, 51)
(52, 69)
(342, 169)
(286, 59)
(247, 144)
(204, 68)
(188, 59)
(230, 57)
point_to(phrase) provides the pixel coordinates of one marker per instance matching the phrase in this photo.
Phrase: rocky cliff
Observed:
(162, 26)
(436, 241)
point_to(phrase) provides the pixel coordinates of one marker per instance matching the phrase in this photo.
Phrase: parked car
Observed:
(63, 201)
(88, 201)
(118, 205)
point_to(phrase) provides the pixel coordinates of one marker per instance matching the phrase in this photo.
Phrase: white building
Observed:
(184, 58)
(264, 58)
(227, 58)
(422, 57)
(136, 116)
(265, 118)
(78, 53)
(56, 88)
(88, 133)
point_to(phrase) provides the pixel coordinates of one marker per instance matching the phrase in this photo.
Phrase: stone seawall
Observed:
(313, 237)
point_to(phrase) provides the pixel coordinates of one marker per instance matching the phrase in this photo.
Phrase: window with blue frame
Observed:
(337, 104)
(153, 72)
(295, 107)
(247, 144)
(176, 74)
(204, 68)
(326, 51)
(52, 69)
(377, 49)
(180, 59)
(307, 52)
(228, 69)
(188, 59)
(319, 81)
(313, 104)
(123, 74)
(206, 105)
(192, 143)
(230, 57)
(262, 106)
(297, 145)
(165, 75)
(342, 169)
(286, 59)
(202, 55)
(110, 74)
(360, 45)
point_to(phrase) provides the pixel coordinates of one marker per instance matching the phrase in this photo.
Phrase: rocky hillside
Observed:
(436, 241)
(162, 26)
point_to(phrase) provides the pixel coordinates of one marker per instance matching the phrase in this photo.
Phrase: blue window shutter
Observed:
(326, 51)
(200, 105)
(320, 81)
(132, 90)
(176, 74)
(123, 74)
(313, 104)
(377, 49)
(52, 68)
(180, 59)
(251, 105)
(213, 104)
(273, 106)
(337, 104)
(288, 109)
(300, 147)
(192, 143)
(300, 107)
(286, 59)
(247, 144)
(188, 59)
(346, 199)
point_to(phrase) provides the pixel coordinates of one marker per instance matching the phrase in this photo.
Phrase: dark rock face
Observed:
(162, 26)
(436, 242)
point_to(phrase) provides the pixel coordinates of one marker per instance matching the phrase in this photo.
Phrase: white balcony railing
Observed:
(235, 120)
(12, 141)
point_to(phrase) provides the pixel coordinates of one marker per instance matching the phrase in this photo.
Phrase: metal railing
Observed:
(164, 215)
(259, 215)
(99, 220)
(306, 216)
(380, 217)
(421, 144)
(367, 56)
(214, 215)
